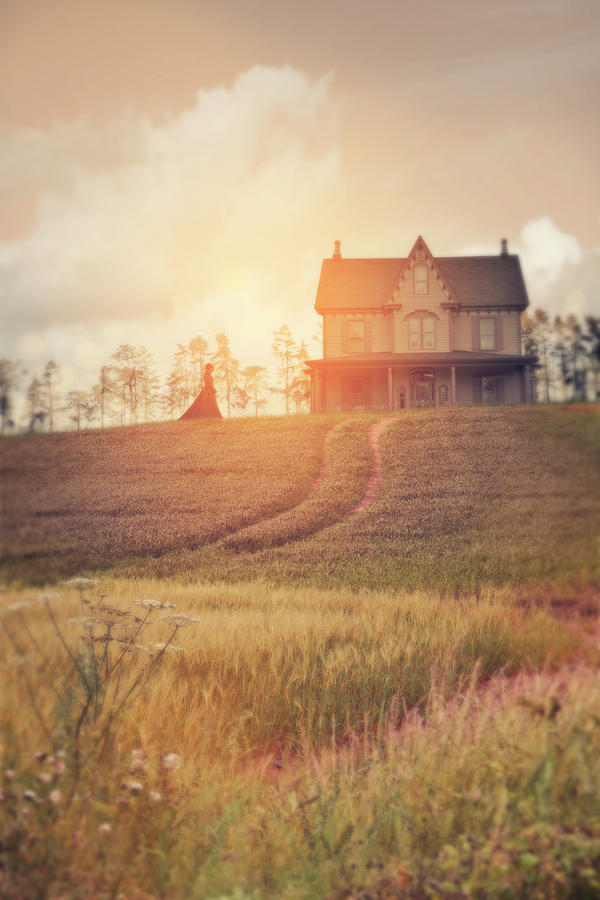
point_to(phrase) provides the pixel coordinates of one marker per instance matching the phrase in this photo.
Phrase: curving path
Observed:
(375, 483)
(374, 433)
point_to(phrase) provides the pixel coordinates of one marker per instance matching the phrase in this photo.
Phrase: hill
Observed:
(469, 497)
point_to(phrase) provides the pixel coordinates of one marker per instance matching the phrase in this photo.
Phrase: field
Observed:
(272, 689)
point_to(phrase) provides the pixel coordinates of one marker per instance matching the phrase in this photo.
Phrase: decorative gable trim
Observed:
(421, 253)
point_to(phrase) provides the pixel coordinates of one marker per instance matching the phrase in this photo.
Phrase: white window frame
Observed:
(420, 336)
(356, 342)
(421, 284)
(487, 341)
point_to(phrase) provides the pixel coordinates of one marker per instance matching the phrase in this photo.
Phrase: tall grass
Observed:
(308, 744)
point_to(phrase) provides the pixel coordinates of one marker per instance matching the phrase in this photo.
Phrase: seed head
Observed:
(81, 584)
(180, 620)
(171, 762)
(134, 787)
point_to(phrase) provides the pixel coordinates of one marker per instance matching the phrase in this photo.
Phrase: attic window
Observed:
(420, 276)
(356, 336)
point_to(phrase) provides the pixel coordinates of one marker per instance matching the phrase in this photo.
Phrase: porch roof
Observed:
(417, 360)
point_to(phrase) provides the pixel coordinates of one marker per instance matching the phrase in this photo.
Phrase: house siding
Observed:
(510, 326)
(431, 302)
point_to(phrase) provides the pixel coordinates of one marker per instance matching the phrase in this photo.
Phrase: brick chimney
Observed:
(503, 247)
(336, 250)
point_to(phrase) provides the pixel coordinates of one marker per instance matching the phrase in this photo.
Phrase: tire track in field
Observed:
(375, 432)
(314, 488)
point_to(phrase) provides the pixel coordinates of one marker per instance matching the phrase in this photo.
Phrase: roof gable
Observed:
(471, 281)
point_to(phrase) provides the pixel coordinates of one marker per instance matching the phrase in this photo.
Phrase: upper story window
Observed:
(421, 333)
(356, 336)
(487, 334)
(420, 274)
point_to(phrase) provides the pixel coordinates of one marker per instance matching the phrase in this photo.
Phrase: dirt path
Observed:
(375, 483)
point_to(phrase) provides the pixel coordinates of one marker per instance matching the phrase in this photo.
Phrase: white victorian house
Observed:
(420, 331)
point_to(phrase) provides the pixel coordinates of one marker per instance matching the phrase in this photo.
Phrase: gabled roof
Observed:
(475, 281)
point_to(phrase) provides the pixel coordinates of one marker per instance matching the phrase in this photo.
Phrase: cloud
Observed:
(201, 215)
(546, 251)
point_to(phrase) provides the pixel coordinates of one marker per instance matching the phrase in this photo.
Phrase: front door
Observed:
(421, 393)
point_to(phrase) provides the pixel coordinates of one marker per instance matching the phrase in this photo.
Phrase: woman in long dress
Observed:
(205, 404)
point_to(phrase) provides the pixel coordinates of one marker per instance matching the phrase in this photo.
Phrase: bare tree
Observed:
(255, 384)
(227, 369)
(49, 384)
(35, 410)
(10, 372)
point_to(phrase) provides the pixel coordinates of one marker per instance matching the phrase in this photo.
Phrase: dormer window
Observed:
(356, 336)
(421, 332)
(420, 274)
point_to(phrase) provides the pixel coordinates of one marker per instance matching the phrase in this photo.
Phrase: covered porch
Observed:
(399, 383)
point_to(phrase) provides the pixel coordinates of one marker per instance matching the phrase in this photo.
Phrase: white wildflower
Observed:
(105, 828)
(55, 797)
(30, 796)
(18, 606)
(171, 762)
(59, 767)
(134, 787)
(155, 796)
(180, 620)
(158, 648)
(138, 762)
(9, 774)
(81, 584)
(45, 777)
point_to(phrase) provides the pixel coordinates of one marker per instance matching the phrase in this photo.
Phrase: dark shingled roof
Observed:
(492, 281)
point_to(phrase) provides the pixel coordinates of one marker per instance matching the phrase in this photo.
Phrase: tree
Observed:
(542, 330)
(35, 409)
(197, 349)
(255, 384)
(592, 339)
(81, 405)
(102, 393)
(49, 383)
(148, 382)
(300, 386)
(227, 369)
(285, 352)
(10, 372)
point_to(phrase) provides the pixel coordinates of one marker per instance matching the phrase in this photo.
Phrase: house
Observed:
(420, 331)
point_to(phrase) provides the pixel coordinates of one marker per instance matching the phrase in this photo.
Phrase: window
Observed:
(487, 334)
(420, 275)
(356, 336)
(421, 333)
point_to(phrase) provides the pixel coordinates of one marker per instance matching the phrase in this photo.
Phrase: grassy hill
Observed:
(470, 497)
(268, 695)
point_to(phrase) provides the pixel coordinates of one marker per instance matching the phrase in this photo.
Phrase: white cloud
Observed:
(197, 223)
(546, 251)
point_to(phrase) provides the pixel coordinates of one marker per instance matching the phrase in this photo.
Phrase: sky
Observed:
(171, 168)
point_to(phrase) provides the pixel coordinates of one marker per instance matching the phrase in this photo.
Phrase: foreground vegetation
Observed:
(209, 722)
(294, 743)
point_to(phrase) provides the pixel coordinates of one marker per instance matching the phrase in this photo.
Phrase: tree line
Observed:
(565, 353)
(130, 390)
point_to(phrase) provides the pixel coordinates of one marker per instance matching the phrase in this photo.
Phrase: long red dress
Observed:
(205, 404)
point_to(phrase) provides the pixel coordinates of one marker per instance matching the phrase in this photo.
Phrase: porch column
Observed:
(390, 402)
(453, 385)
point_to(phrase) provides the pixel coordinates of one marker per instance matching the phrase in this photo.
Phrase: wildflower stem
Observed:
(34, 705)
(38, 649)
